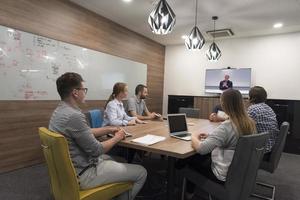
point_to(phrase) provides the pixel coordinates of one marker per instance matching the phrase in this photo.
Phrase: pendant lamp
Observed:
(162, 18)
(213, 53)
(195, 40)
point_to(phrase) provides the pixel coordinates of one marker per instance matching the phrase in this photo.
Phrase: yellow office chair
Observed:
(62, 173)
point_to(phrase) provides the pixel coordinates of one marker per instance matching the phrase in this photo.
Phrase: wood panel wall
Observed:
(207, 104)
(65, 21)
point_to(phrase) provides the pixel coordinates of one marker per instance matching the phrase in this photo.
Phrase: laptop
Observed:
(178, 126)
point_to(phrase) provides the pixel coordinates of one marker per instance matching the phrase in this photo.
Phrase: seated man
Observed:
(263, 115)
(137, 106)
(218, 115)
(92, 165)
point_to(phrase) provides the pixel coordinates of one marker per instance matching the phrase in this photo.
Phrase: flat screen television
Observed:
(240, 77)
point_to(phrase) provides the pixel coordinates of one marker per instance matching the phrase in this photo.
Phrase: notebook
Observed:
(178, 126)
(148, 139)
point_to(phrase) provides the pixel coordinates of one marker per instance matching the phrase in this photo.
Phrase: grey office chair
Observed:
(241, 174)
(271, 164)
(190, 112)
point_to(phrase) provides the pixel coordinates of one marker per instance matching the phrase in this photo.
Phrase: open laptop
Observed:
(178, 127)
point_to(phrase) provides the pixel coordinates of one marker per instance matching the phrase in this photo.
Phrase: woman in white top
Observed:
(114, 113)
(216, 149)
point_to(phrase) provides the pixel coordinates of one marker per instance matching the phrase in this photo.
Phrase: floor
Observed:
(32, 183)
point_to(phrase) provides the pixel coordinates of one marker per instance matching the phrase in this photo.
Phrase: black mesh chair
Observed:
(241, 175)
(271, 163)
(190, 112)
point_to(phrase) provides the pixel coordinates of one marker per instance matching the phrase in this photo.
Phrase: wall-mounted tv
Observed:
(240, 78)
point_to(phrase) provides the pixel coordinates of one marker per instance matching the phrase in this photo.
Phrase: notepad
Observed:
(148, 139)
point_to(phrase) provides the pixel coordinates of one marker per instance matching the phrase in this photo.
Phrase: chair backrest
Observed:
(61, 171)
(271, 164)
(96, 118)
(88, 118)
(242, 172)
(190, 112)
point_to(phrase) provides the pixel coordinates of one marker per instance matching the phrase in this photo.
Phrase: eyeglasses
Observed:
(84, 89)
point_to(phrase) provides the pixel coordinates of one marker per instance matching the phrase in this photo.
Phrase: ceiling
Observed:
(246, 18)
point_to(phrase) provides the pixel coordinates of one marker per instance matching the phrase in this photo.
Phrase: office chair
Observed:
(62, 174)
(95, 118)
(272, 163)
(190, 112)
(88, 118)
(241, 174)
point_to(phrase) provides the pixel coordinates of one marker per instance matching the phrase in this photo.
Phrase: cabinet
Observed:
(288, 110)
(177, 101)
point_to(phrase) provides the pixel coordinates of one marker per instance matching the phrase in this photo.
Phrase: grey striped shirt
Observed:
(83, 146)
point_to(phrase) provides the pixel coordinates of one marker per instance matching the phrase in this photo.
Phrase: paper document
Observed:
(191, 124)
(148, 139)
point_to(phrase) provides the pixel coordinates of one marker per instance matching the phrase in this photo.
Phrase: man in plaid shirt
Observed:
(263, 115)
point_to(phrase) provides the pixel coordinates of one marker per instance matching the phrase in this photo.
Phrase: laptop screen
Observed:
(177, 123)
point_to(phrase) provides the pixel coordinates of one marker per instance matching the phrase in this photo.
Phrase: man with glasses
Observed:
(84, 89)
(92, 165)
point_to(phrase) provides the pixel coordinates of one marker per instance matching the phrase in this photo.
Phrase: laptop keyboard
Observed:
(183, 135)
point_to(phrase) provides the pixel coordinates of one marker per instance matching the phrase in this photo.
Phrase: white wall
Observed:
(275, 63)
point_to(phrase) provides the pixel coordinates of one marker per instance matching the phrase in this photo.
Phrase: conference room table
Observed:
(171, 147)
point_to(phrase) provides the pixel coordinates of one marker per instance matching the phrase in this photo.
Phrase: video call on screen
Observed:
(240, 77)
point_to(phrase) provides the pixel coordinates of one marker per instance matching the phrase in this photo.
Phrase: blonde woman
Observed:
(114, 113)
(216, 149)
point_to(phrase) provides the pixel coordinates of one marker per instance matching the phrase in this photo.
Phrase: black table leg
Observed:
(170, 174)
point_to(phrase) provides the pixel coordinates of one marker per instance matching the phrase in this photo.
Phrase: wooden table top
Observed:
(170, 146)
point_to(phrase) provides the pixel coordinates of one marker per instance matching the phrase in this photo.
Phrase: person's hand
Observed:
(213, 117)
(152, 115)
(131, 122)
(113, 129)
(195, 141)
(202, 136)
(119, 135)
(140, 121)
(158, 116)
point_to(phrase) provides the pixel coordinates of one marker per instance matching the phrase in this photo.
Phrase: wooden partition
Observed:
(65, 21)
(205, 105)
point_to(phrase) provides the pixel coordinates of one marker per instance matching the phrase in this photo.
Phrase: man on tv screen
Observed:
(226, 83)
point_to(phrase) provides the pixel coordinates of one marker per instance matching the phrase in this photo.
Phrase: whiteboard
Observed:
(30, 65)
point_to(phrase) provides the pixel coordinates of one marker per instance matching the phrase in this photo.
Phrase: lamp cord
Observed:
(214, 30)
(196, 13)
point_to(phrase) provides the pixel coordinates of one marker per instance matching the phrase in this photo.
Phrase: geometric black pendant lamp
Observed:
(162, 18)
(213, 53)
(195, 40)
